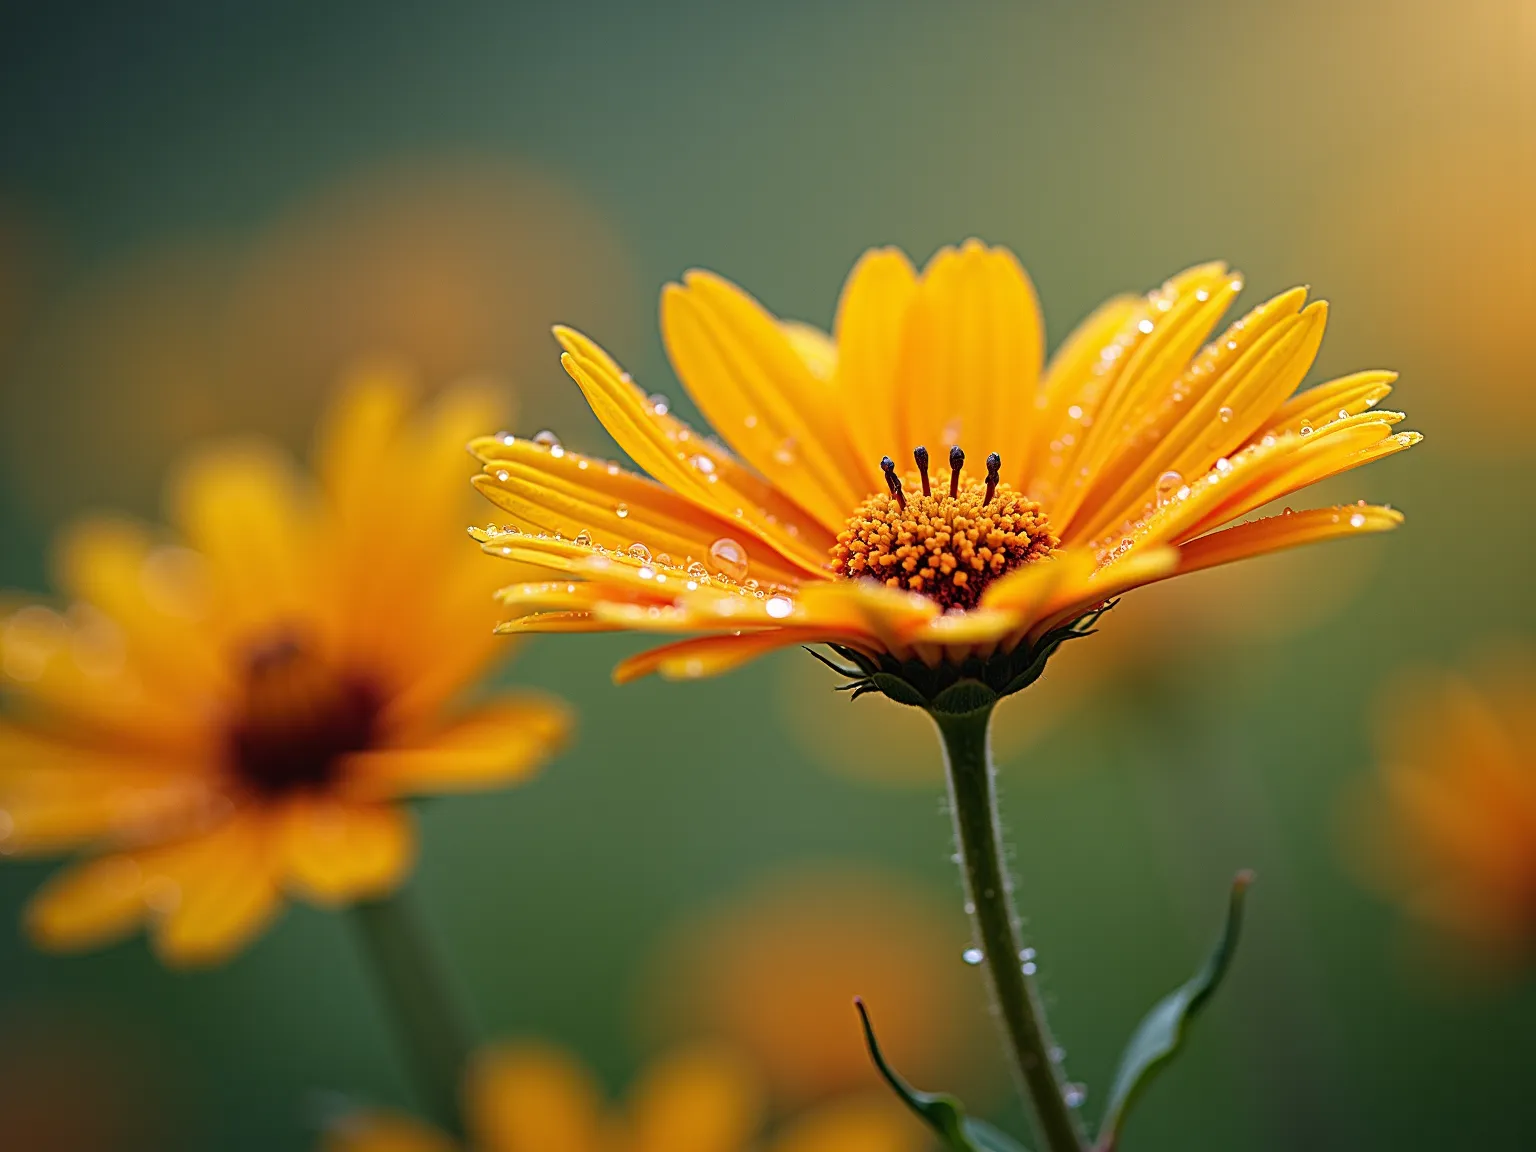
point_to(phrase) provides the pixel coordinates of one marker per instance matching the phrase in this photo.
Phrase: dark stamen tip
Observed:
(893, 481)
(956, 462)
(994, 465)
(920, 454)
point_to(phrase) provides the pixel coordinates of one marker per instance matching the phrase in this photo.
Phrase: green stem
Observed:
(410, 980)
(989, 892)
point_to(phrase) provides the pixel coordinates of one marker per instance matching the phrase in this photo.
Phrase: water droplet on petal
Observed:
(1027, 955)
(704, 464)
(779, 606)
(1225, 414)
(697, 570)
(1167, 484)
(973, 956)
(546, 439)
(664, 559)
(658, 404)
(584, 538)
(1306, 429)
(729, 558)
(1357, 520)
(1144, 326)
(621, 511)
(1074, 1095)
(640, 552)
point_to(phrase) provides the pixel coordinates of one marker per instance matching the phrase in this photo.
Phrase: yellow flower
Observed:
(1451, 827)
(1116, 465)
(223, 722)
(533, 1098)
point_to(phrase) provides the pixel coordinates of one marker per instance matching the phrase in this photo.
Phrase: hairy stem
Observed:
(410, 980)
(989, 892)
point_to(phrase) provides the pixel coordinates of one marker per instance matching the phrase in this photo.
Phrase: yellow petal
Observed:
(871, 314)
(1276, 533)
(700, 1100)
(758, 394)
(669, 451)
(336, 852)
(970, 359)
(219, 890)
(88, 905)
(532, 1099)
(867, 1123)
(500, 743)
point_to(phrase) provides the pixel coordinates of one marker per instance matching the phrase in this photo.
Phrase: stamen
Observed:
(921, 456)
(994, 464)
(893, 481)
(956, 462)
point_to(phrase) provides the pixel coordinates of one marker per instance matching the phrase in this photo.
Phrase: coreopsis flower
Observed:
(535, 1098)
(227, 719)
(1450, 827)
(915, 489)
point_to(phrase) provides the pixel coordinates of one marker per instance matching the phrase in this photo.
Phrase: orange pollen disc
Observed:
(947, 548)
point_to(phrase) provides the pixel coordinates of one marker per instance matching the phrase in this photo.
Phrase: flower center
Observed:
(299, 717)
(947, 545)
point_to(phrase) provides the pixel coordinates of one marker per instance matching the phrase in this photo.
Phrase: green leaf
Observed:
(941, 1112)
(1161, 1032)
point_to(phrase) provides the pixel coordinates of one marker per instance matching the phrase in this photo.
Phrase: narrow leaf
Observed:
(1161, 1032)
(941, 1112)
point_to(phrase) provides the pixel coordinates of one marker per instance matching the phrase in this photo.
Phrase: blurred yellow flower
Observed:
(533, 1098)
(773, 973)
(225, 721)
(1115, 465)
(1450, 826)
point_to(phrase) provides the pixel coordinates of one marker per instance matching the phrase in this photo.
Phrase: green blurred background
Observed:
(208, 210)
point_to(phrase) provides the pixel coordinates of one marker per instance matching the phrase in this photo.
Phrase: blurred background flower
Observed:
(208, 213)
(1449, 825)
(537, 1098)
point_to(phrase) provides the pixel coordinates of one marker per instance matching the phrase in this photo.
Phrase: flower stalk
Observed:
(971, 775)
(427, 1019)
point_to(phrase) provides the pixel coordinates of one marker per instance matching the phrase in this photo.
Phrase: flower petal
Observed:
(532, 1098)
(336, 852)
(970, 358)
(871, 314)
(700, 1100)
(220, 890)
(757, 392)
(500, 743)
(87, 905)
(1276, 533)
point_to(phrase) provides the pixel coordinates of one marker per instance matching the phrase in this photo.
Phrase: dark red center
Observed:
(300, 716)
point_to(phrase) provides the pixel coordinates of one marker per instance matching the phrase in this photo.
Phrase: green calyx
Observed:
(954, 689)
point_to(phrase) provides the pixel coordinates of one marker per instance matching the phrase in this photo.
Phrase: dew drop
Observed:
(664, 559)
(729, 558)
(1223, 465)
(1202, 295)
(1306, 429)
(621, 511)
(697, 570)
(584, 538)
(704, 464)
(973, 956)
(750, 421)
(1357, 520)
(546, 439)
(506, 438)
(640, 552)
(503, 475)
(1076, 412)
(1027, 954)
(1074, 1095)
(1167, 484)
(779, 607)
(1343, 413)
(785, 452)
(1029, 968)
(1144, 326)
(659, 404)
(1225, 414)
